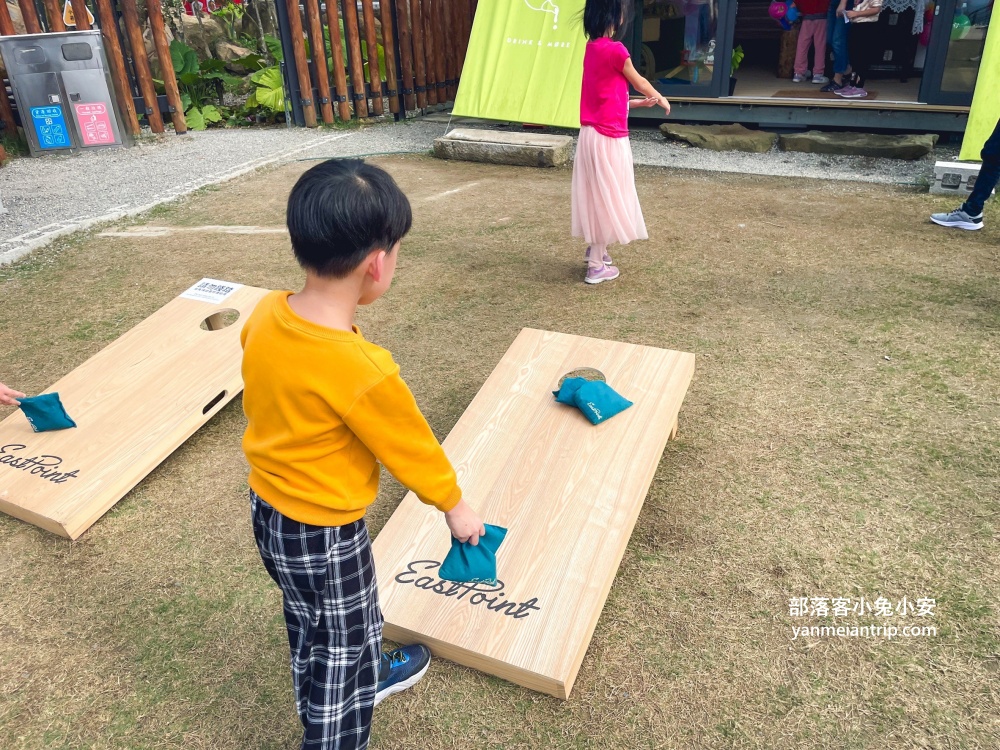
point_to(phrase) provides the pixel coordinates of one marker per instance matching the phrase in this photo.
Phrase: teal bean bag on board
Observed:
(46, 412)
(468, 563)
(595, 399)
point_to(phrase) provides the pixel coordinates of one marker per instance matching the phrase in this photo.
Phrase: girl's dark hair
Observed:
(341, 210)
(601, 15)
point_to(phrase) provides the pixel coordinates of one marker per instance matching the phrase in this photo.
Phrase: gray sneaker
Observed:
(959, 219)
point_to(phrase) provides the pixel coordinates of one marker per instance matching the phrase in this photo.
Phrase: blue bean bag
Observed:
(467, 563)
(46, 413)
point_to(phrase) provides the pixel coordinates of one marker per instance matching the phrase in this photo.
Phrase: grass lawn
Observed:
(840, 439)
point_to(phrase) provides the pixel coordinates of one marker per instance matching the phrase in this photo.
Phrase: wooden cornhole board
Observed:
(569, 494)
(134, 403)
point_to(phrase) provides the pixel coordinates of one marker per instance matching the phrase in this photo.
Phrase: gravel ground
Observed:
(53, 196)
(50, 197)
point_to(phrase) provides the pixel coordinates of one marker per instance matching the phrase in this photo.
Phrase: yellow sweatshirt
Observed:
(323, 408)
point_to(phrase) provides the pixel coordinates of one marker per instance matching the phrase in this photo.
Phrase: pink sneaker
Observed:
(597, 275)
(607, 258)
(851, 92)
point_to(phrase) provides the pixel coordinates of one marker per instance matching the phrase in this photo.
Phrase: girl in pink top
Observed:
(605, 205)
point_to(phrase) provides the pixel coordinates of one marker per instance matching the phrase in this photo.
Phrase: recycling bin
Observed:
(63, 91)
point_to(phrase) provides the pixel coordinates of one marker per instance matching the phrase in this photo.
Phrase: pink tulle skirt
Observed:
(605, 205)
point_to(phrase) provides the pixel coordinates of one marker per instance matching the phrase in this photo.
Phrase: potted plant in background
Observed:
(737, 59)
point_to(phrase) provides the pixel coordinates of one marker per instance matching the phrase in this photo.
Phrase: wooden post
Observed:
(465, 31)
(354, 58)
(419, 55)
(460, 37)
(426, 9)
(318, 47)
(80, 15)
(142, 70)
(30, 17)
(389, 43)
(116, 61)
(439, 50)
(302, 65)
(337, 50)
(6, 22)
(405, 52)
(166, 65)
(450, 44)
(53, 12)
(371, 42)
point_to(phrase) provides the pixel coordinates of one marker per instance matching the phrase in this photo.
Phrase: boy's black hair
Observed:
(600, 16)
(341, 210)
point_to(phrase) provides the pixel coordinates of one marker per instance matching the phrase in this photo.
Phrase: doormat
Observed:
(817, 94)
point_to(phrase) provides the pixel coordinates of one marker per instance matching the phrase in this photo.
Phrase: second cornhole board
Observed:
(568, 492)
(134, 403)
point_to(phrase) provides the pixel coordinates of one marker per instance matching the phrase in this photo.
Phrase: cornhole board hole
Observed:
(134, 403)
(567, 491)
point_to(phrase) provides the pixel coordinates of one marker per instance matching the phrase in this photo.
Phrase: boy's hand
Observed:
(8, 396)
(465, 525)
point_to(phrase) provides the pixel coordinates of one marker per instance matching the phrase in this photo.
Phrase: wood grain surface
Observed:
(568, 492)
(134, 403)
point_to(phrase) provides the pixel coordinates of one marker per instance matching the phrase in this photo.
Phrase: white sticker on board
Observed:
(211, 290)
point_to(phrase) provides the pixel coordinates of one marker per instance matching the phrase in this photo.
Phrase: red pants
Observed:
(811, 32)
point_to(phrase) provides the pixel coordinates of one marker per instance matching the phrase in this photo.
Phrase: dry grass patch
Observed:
(840, 439)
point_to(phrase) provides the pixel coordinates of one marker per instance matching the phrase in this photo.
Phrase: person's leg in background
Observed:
(836, 40)
(819, 52)
(970, 214)
(863, 51)
(989, 174)
(807, 32)
(862, 39)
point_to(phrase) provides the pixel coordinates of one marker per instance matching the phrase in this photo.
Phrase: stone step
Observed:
(495, 147)
(908, 147)
(721, 137)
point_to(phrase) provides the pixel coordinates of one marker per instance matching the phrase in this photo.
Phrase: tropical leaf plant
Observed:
(201, 83)
(270, 90)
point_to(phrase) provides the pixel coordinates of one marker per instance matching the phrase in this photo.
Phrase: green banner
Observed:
(985, 102)
(525, 63)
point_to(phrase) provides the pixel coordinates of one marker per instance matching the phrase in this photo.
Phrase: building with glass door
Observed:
(923, 77)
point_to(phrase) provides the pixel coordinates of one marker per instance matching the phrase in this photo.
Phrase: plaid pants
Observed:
(327, 577)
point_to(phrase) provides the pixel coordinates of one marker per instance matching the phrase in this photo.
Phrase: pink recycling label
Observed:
(95, 125)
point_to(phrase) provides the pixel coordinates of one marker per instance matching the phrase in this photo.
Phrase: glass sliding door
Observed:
(956, 51)
(681, 45)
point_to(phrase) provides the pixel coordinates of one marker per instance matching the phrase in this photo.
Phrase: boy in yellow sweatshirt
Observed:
(324, 407)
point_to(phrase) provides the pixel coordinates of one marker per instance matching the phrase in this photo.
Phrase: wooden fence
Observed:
(127, 59)
(420, 48)
(403, 55)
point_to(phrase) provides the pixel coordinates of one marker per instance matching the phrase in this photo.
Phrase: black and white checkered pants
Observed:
(327, 577)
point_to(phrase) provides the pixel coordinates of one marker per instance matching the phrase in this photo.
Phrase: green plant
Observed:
(14, 145)
(228, 15)
(738, 56)
(201, 84)
(270, 91)
(274, 47)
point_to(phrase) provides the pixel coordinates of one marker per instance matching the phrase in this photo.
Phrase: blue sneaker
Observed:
(401, 669)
